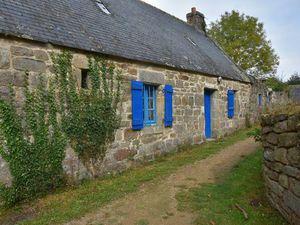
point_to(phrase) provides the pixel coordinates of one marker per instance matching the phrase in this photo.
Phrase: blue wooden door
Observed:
(207, 113)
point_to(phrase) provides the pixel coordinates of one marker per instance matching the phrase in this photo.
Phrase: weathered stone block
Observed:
(280, 117)
(275, 187)
(274, 166)
(122, 154)
(291, 171)
(295, 186)
(293, 121)
(6, 78)
(148, 139)
(183, 77)
(288, 140)
(281, 127)
(132, 71)
(267, 120)
(26, 64)
(21, 51)
(266, 130)
(280, 155)
(269, 154)
(292, 201)
(19, 79)
(130, 135)
(152, 77)
(80, 61)
(4, 58)
(284, 181)
(293, 156)
(272, 138)
(4, 92)
(41, 55)
(271, 174)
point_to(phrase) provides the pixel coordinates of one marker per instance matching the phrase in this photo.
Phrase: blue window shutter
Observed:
(230, 95)
(259, 99)
(168, 106)
(137, 105)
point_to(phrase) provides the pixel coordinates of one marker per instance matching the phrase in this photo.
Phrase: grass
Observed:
(215, 203)
(66, 205)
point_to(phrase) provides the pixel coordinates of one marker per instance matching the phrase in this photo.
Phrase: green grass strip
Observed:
(74, 203)
(215, 203)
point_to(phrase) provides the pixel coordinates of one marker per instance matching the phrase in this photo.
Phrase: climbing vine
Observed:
(89, 116)
(33, 139)
(32, 143)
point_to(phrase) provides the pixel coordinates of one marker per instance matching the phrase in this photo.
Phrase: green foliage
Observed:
(276, 84)
(243, 38)
(74, 203)
(33, 146)
(256, 133)
(89, 116)
(294, 79)
(33, 139)
(244, 185)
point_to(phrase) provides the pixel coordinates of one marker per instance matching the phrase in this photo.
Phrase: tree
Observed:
(294, 79)
(276, 83)
(243, 38)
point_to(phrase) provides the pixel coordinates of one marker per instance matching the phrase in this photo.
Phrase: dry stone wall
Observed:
(281, 142)
(129, 147)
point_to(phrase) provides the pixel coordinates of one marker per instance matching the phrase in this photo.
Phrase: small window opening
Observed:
(84, 78)
(102, 7)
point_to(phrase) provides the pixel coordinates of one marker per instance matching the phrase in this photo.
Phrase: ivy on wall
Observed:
(32, 144)
(89, 116)
(33, 140)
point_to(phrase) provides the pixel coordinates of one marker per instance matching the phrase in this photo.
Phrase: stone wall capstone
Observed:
(281, 142)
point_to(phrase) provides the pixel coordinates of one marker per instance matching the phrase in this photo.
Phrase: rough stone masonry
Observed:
(281, 142)
(129, 147)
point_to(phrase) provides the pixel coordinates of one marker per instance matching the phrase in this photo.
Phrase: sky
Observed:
(281, 19)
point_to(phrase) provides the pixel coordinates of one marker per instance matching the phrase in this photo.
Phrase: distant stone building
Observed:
(294, 93)
(195, 91)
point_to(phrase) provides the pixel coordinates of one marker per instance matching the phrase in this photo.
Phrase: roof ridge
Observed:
(168, 14)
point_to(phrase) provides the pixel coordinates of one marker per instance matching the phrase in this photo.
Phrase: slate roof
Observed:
(134, 30)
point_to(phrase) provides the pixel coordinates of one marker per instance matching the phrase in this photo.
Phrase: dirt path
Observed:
(155, 203)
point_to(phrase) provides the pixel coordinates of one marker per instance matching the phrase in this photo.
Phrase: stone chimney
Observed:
(196, 19)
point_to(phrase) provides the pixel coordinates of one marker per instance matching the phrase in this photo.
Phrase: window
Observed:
(102, 7)
(149, 105)
(144, 105)
(269, 98)
(230, 95)
(84, 79)
(259, 100)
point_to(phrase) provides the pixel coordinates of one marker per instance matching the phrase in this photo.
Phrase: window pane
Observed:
(151, 115)
(150, 104)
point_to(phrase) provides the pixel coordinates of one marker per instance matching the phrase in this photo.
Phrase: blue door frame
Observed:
(207, 112)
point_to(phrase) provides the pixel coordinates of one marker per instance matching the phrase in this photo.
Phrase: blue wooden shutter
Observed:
(259, 99)
(230, 95)
(137, 105)
(168, 106)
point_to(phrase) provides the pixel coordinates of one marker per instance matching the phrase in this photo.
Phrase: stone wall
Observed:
(279, 97)
(281, 141)
(130, 146)
(295, 93)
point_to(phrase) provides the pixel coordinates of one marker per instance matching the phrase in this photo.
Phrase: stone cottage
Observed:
(179, 86)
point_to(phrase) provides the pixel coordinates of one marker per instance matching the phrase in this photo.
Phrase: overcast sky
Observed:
(281, 20)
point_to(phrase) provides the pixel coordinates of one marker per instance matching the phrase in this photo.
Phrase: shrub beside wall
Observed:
(281, 142)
